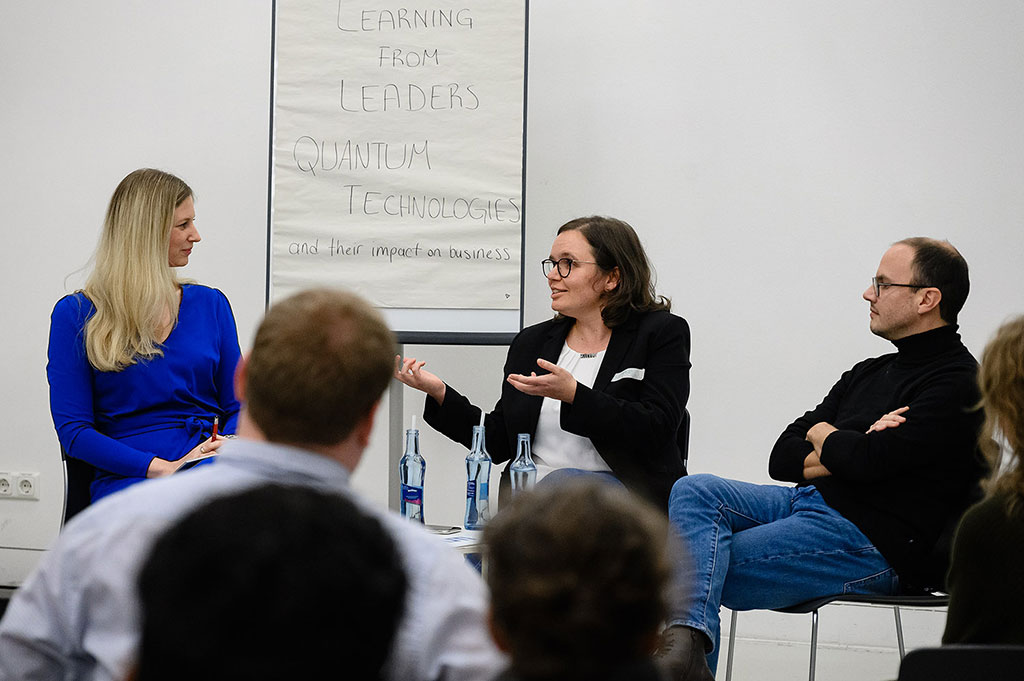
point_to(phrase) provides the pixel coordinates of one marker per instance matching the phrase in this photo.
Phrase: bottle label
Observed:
(412, 495)
(471, 489)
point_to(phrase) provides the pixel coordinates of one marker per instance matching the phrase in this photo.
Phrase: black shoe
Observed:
(681, 655)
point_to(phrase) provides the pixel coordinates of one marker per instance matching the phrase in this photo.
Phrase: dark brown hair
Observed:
(615, 244)
(320, 361)
(578, 575)
(938, 264)
(275, 583)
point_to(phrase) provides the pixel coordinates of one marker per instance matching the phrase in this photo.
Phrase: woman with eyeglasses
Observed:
(602, 387)
(140, 363)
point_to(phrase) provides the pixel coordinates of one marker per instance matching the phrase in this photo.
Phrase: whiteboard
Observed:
(398, 160)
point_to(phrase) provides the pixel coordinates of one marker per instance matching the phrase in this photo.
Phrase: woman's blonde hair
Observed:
(132, 283)
(1001, 379)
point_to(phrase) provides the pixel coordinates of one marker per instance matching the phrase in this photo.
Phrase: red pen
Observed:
(216, 422)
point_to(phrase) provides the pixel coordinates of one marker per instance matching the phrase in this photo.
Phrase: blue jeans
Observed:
(757, 547)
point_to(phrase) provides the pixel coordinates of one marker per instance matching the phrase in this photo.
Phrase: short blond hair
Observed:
(132, 284)
(320, 361)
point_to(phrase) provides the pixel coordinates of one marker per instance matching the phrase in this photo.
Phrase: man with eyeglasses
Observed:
(884, 467)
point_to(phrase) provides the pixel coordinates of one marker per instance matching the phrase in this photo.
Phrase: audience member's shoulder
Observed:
(990, 511)
(987, 530)
(140, 510)
(422, 549)
(406, 531)
(111, 520)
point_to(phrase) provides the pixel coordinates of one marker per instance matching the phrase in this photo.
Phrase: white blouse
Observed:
(555, 448)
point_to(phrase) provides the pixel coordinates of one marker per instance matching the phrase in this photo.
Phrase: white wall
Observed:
(90, 94)
(766, 153)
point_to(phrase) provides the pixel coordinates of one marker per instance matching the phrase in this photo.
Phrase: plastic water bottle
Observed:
(478, 474)
(412, 469)
(523, 469)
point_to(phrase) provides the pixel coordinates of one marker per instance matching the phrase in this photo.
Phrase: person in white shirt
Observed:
(311, 385)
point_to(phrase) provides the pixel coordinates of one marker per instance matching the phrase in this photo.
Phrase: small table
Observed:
(465, 541)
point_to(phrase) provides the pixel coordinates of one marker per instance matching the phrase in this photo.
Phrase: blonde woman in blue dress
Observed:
(140, 363)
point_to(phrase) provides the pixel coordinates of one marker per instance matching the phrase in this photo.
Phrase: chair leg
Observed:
(814, 644)
(814, 641)
(732, 644)
(899, 631)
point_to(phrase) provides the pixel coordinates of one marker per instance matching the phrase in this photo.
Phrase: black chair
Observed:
(683, 438)
(922, 600)
(6, 592)
(914, 597)
(78, 476)
(964, 663)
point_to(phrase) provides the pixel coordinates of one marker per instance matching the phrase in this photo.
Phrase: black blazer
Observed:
(633, 414)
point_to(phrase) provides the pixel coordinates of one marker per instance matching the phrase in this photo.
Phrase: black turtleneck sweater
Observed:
(904, 487)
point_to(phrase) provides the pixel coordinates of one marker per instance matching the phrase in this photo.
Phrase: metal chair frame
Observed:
(925, 600)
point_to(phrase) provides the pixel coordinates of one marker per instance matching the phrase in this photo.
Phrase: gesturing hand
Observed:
(410, 372)
(558, 385)
(890, 420)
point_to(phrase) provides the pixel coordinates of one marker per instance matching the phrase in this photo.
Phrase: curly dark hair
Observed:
(578, 575)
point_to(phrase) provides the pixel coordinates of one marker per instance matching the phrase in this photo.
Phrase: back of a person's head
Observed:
(1001, 380)
(320, 361)
(578, 574)
(272, 583)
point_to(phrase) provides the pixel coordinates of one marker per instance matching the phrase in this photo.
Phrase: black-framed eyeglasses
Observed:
(879, 285)
(564, 265)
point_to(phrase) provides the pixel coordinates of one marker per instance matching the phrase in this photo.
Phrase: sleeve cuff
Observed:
(839, 447)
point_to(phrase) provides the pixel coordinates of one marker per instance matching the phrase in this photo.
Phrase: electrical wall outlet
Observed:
(26, 485)
(19, 485)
